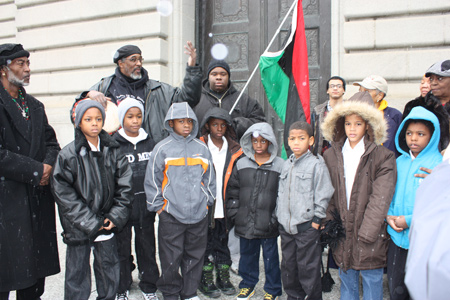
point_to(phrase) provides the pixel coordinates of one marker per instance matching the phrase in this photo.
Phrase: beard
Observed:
(135, 76)
(16, 81)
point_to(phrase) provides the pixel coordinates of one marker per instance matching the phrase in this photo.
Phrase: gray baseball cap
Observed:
(441, 68)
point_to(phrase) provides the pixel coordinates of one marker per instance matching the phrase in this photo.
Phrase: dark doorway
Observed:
(246, 28)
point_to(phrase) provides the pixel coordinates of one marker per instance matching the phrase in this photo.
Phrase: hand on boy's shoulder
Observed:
(423, 175)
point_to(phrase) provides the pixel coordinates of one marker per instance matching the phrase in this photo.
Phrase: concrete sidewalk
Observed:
(54, 288)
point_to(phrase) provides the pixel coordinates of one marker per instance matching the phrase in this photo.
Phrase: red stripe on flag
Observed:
(300, 63)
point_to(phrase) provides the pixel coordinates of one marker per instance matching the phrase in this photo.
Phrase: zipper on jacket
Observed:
(289, 197)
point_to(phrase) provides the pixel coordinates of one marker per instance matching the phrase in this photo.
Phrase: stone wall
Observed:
(72, 43)
(398, 40)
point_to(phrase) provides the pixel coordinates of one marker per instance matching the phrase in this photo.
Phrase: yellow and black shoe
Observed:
(245, 293)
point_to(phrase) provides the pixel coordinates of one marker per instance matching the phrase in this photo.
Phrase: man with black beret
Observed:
(28, 150)
(131, 79)
(218, 91)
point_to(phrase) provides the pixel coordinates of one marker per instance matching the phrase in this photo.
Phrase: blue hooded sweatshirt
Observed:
(405, 191)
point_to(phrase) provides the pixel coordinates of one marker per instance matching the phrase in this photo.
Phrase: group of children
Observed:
(200, 188)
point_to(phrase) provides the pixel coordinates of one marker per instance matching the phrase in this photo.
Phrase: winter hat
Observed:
(83, 106)
(11, 51)
(126, 51)
(218, 63)
(374, 82)
(441, 68)
(125, 105)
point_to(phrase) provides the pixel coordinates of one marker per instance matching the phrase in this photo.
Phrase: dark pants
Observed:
(78, 270)
(144, 245)
(300, 264)
(217, 247)
(33, 292)
(249, 264)
(181, 246)
(396, 262)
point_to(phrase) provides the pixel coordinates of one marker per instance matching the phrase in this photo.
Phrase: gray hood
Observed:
(265, 130)
(181, 110)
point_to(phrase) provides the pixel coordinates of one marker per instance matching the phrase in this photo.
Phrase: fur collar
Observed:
(333, 125)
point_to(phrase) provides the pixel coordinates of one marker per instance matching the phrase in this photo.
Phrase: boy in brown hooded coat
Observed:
(363, 174)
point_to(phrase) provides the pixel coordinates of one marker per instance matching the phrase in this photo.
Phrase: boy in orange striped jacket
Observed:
(180, 185)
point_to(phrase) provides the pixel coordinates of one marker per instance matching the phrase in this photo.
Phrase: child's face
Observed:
(132, 121)
(260, 145)
(183, 126)
(91, 123)
(355, 129)
(417, 137)
(299, 141)
(217, 128)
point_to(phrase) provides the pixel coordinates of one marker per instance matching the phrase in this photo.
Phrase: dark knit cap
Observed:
(219, 63)
(83, 106)
(11, 51)
(126, 51)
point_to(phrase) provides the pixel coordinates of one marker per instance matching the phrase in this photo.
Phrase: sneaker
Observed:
(193, 298)
(223, 280)
(122, 296)
(150, 296)
(245, 293)
(268, 296)
(207, 285)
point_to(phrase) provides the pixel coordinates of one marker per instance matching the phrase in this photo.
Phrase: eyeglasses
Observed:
(335, 86)
(135, 59)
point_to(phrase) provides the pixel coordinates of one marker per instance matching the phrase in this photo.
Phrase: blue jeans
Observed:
(249, 264)
(372, 284)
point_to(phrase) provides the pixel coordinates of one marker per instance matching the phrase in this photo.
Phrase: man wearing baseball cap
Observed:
(28, 150)
(439, 74)
(378, 88)
(219, 91)
(131, 79)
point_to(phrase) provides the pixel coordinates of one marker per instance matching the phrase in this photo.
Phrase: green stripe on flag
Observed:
(275, 82)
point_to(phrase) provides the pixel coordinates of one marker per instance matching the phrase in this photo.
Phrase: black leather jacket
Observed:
(91, 186)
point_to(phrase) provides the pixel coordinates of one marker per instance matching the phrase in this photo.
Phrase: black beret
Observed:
(126, 51)
(11, 51)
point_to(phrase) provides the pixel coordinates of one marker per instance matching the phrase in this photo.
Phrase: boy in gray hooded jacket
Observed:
(303, 195)
(180, 186)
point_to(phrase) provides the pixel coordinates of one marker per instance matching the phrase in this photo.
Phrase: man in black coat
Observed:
(131, 79)
(28, 150)
(218, 91)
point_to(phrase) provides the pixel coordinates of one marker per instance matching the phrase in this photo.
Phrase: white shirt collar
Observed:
(93, 147)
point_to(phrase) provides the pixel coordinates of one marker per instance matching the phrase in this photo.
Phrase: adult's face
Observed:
(131, 66)
(440, 86)
(335, 89)
(218, 79)
(18, 71)
(424, 86)
(376, 95)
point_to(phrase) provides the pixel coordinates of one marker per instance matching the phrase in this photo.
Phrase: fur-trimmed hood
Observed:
(333, 126)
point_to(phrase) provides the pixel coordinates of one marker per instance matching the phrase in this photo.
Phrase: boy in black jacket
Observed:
(217, 132)
(92, 184)
(251, 199)
(136, 145)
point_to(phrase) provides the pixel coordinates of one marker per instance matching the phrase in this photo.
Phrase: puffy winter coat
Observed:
(247, 112)
(366, 241)
(158, 98)
(90, 186)
(28, 245)
(252, 189)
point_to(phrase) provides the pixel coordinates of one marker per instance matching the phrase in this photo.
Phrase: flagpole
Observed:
(257, 65)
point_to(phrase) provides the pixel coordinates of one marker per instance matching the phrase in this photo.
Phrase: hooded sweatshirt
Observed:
(407, 185)
(234, 150)
(252, 189)
(365, 244)
(180, 176)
